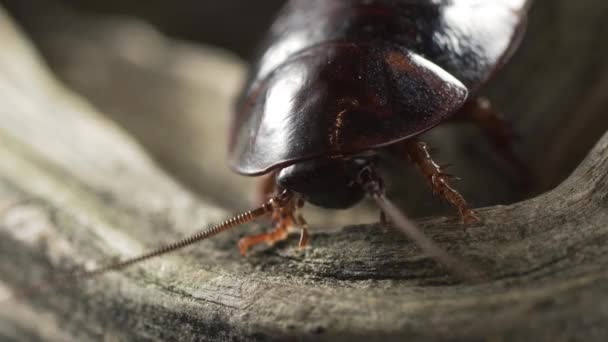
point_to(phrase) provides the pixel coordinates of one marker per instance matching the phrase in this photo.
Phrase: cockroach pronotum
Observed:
(340, 82)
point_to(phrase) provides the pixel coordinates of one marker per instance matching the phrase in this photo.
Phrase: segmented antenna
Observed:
(237, 220)
(374, 187)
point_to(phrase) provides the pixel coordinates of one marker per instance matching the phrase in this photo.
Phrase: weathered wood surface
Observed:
(75, 189)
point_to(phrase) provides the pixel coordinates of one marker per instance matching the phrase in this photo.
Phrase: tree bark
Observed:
(77, 190)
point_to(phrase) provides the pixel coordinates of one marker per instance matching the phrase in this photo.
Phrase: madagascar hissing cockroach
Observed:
(337, 82)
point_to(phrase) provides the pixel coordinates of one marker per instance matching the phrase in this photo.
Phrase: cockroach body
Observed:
(339, 77)
(337, 82)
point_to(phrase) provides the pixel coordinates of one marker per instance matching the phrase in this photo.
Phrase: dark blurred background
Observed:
(233, 24)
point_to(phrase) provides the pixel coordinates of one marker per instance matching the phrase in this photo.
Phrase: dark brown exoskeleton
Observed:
(338, 81)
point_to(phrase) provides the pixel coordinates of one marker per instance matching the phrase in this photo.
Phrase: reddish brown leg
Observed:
(497, 129)
(439, 181)
(285, 217)
(278, 234)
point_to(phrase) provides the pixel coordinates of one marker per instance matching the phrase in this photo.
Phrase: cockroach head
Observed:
(327, 182)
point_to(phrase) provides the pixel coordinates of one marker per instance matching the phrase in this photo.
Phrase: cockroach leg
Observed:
(278, 234)
(498, 130)
(439, 181)
(304, 236)
(302, 224)
(284, 218)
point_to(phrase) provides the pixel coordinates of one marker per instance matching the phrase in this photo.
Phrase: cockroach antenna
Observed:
(248, 216)
(368, 178)
(375, 189)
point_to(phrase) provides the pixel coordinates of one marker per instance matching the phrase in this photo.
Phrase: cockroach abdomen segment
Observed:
(338, 99)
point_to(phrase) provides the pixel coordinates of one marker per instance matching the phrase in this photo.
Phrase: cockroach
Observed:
(339, 82)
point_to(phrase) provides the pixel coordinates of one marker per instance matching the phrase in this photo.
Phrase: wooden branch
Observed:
(75, 189)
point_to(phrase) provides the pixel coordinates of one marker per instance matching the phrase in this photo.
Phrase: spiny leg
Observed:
(439, 181)
(285, 217)
(497, 129)
(278, 234)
